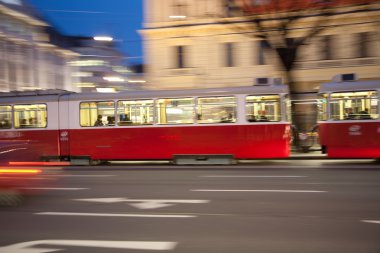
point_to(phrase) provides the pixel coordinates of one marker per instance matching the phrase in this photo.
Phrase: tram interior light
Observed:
(174, 110)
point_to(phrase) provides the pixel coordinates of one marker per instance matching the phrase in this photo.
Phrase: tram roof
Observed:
(252, 90)
(349, 86)
(32, 96)
(52, 95)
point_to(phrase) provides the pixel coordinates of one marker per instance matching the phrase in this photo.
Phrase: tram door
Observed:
(64, 126)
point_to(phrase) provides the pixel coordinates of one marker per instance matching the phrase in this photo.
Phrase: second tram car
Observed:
(349, 124)
(243, 122)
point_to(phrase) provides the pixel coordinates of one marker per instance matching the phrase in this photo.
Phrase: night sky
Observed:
(117, 18)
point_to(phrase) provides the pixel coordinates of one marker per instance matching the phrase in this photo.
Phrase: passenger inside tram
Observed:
(262, 116)
(349, 114)
(99, 121)
(5, 123)
(364, 114)
(110, 120)
(226, 117)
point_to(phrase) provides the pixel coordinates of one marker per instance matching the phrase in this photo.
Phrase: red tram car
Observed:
(349, 125)
(242, 122)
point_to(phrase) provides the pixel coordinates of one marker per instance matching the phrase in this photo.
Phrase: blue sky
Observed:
(117, 18)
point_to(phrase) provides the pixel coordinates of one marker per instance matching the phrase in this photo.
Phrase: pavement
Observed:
(312, 154)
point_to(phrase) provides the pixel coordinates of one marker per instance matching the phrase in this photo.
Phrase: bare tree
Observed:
(276, 23)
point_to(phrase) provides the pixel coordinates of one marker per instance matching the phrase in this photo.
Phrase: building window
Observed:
(25, 66)
(363, 40)
(179, 9)
(327, 47)
(261, 54)
(231, 9)
(3, 60)
(229, 55)
(180, 57)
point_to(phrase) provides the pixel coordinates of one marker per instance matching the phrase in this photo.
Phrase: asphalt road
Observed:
(267, 207)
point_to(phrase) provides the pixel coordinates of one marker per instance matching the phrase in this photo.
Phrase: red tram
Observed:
(242, 122)
(349, 125)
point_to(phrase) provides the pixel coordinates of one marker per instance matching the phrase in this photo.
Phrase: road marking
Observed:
(118, 215)
(371, 221)
(54, 188)
(26, 247)
(72, 175)
(147, 203)
(250, 176)
(283, 191)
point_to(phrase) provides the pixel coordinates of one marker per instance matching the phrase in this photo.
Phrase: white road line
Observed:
(71, 175)
(146, 203)
(281, 191)
(371, 221)
(29, 247)
(118, 215)
(250, 176)
(54, 188)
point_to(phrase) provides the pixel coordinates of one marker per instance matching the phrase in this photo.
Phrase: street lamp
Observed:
(103, 38)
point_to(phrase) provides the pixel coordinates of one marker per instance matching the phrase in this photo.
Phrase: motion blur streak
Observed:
(20, 171)
(40, 163)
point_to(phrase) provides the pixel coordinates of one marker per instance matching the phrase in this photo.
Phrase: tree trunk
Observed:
(303, 115)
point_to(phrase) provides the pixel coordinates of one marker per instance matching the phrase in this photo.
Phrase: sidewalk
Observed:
(309, 155)
(314, 152)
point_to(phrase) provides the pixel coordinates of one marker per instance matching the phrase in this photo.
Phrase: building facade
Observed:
(100, 67)
(202, 43)
(28, 61)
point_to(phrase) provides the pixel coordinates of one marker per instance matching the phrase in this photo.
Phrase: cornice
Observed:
(20, 16)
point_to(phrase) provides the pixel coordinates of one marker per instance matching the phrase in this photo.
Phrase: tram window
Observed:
(263, 108)
(322, 107)
(5, 116)
(175, 111)
(138, 112)
(30, 116)
(97, 114)
(216, 110)
(362, 105)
